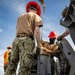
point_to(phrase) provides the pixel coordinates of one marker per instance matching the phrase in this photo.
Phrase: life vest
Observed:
(6, 56)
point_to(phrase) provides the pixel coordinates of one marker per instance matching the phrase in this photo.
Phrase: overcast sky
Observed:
(10, 10)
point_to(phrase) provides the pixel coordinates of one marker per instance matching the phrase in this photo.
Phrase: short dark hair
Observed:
(33, 8)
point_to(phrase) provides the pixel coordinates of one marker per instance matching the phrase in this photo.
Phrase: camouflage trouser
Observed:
(22, 51)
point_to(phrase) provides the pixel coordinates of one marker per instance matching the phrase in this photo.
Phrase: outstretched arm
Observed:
(37, 36)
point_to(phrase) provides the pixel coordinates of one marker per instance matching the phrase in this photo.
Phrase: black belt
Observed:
(31, 36)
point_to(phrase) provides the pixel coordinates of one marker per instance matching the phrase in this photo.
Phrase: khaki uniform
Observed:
(46, 57)
(23, 44)
(53, 48)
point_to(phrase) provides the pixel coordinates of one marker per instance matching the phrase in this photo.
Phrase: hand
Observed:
(37, 50)
(59, 38)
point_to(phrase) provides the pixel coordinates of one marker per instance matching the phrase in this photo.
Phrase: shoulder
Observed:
(37, 17)
(29, 14)
(22, 15)
(55, 45)
(33, 14)
(46, 43)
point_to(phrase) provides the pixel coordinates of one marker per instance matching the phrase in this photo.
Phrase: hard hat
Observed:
(52, 35)
(34, 4)
(9, 47)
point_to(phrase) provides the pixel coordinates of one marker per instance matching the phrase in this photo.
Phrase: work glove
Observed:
(37, 50)
(64, 12)
(59, 37)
